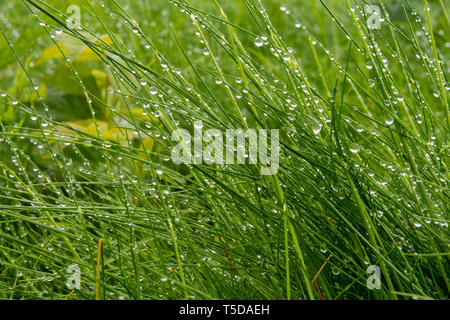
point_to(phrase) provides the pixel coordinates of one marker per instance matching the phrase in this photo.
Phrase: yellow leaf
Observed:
(35, 97)
(138, 114)
(53, 52)
(148, 143)
(87, 54)
(86, 126)
(101, 78)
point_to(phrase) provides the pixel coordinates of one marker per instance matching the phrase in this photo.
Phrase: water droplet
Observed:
(354, 148)
(389, 121)
(336, 271)
(259, 42)
(316, 126)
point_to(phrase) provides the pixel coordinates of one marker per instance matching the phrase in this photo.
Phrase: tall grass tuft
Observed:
(87, 114)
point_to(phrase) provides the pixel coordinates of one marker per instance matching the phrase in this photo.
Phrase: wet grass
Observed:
(86, 120)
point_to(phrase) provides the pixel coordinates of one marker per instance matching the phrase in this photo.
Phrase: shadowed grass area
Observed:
(87, 114)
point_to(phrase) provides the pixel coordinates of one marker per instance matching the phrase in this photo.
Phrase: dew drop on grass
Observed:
(259, 42)
(336, 271)
(286, 57)
(153, 91)
(389, 121)
(354, 148)
(316, 126)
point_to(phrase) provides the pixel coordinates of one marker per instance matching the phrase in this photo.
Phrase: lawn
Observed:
(338, 189)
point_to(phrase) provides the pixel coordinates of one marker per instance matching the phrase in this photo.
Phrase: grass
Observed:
(87, 115)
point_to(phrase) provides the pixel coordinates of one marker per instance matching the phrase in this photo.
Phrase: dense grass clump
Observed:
(87, 113)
